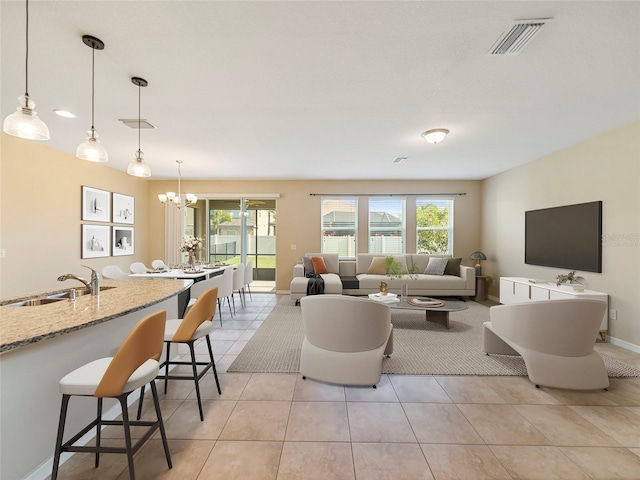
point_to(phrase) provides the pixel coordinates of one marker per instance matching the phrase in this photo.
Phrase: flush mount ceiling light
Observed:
(91, 149)
(138, 168)
(435, 135)
(177, 200)
(24, 122)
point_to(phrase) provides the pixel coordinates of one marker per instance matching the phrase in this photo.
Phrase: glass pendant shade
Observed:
(138, 168)
(25, 123)
(91, 149)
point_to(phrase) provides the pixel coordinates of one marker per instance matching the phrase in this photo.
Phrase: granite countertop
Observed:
(22, 325)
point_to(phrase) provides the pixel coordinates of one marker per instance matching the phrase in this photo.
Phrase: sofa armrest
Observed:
(469, 275)
(298, 270)
(347, 268)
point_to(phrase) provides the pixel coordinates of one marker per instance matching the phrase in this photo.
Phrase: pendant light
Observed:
(24, 122)
(138, 168)
(91, 149)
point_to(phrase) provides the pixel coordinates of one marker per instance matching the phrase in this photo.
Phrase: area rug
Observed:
(420, 347)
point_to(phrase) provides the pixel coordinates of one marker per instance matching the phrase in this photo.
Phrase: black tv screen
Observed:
(565, 237)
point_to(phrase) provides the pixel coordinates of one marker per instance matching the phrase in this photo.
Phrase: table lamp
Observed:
(478, 256)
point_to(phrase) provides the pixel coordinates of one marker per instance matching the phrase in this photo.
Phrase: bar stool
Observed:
(134, 365)
(196, 324)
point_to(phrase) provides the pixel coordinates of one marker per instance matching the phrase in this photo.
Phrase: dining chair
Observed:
(114, 272)
(248, 277)
(135, 364)
(197, 323)
(138, 267)
(238, 285)
(159, 264)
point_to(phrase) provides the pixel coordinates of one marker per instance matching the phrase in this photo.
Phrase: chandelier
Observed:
(177, 200)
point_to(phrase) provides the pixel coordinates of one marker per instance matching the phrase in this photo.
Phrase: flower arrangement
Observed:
(191, 244)
(575, 281)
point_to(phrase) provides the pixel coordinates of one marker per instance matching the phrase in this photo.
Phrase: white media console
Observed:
(520, 289)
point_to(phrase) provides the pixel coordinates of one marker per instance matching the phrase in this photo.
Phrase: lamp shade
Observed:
(138, 168)
(91, 149)
(478, 256)
(25, 123)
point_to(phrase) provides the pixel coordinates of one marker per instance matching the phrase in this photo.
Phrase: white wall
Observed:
(604, 168)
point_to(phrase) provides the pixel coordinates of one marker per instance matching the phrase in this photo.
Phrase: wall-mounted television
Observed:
(565, 237)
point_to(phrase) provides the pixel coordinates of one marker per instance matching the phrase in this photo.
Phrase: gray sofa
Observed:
(350, 277)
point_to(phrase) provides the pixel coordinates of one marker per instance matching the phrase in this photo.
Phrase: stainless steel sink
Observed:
(80, 291)
(55, 298)
(35, 302)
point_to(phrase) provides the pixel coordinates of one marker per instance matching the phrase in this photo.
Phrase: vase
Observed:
(191, 261)
(404, 290)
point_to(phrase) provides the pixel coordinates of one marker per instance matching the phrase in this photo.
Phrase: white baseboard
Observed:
(43, 472)
(624, 344)
(494, 299)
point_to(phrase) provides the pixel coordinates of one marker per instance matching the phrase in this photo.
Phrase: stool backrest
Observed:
(143, 343)
(204, 309)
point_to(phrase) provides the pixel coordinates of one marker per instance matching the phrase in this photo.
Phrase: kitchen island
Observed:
(42, 343)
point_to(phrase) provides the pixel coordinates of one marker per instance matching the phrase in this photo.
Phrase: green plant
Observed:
(395, 269)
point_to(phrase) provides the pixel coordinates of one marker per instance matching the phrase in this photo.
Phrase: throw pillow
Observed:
(436, 266)
(319, 266)
(308, 265)
(378, 266)
(453, 266)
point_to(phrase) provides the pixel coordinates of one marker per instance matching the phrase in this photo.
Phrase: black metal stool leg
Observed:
(140, 403)
(127, 435)
(220, 310)
(156, 403)
(166, 367)
(63, 418)
(195, 378)
(213, 363)
(98, 430)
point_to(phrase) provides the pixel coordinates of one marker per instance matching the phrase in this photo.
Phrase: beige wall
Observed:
(298, 213)
(40, 212)
(604, 168)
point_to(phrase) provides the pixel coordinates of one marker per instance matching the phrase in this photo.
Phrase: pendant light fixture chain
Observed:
(26, 59)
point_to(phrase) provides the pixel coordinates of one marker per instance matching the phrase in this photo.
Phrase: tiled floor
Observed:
(278, 426)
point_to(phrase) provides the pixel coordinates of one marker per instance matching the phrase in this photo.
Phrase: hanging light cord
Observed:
(93, 85)
(26, 59)
(179, 192)
(139, 87)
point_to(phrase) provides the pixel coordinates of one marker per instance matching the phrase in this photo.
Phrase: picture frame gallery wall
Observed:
(114, 209)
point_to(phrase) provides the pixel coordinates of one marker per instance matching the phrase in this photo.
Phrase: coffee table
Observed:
(433, 314)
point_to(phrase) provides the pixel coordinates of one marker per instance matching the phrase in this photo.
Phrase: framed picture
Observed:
(123, 208)
(96, 241)
(122, 241)
(96, 205)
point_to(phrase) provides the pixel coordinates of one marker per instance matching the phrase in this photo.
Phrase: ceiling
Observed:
(325, 90)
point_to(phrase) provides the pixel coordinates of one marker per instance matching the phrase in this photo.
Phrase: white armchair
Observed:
(555, 338)
(345, 339)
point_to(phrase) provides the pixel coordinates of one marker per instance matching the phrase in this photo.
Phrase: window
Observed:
(387, 225)
(339, 226)
(434, 224)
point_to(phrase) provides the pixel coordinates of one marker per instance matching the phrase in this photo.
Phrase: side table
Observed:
(481, 287)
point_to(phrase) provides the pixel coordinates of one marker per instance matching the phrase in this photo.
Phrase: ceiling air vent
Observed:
(398, 159)
(518, 36)
(133, 123)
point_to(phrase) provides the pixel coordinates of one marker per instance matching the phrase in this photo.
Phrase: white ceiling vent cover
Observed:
(518, 36)
(133, 123)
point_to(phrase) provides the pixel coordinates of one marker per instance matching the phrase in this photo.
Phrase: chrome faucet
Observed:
(93, 285)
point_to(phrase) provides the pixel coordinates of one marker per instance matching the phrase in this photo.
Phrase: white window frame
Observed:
(351, 249)
(420, 201)
(403, 243)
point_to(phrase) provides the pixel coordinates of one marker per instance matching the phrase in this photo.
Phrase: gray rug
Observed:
(420, 347)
